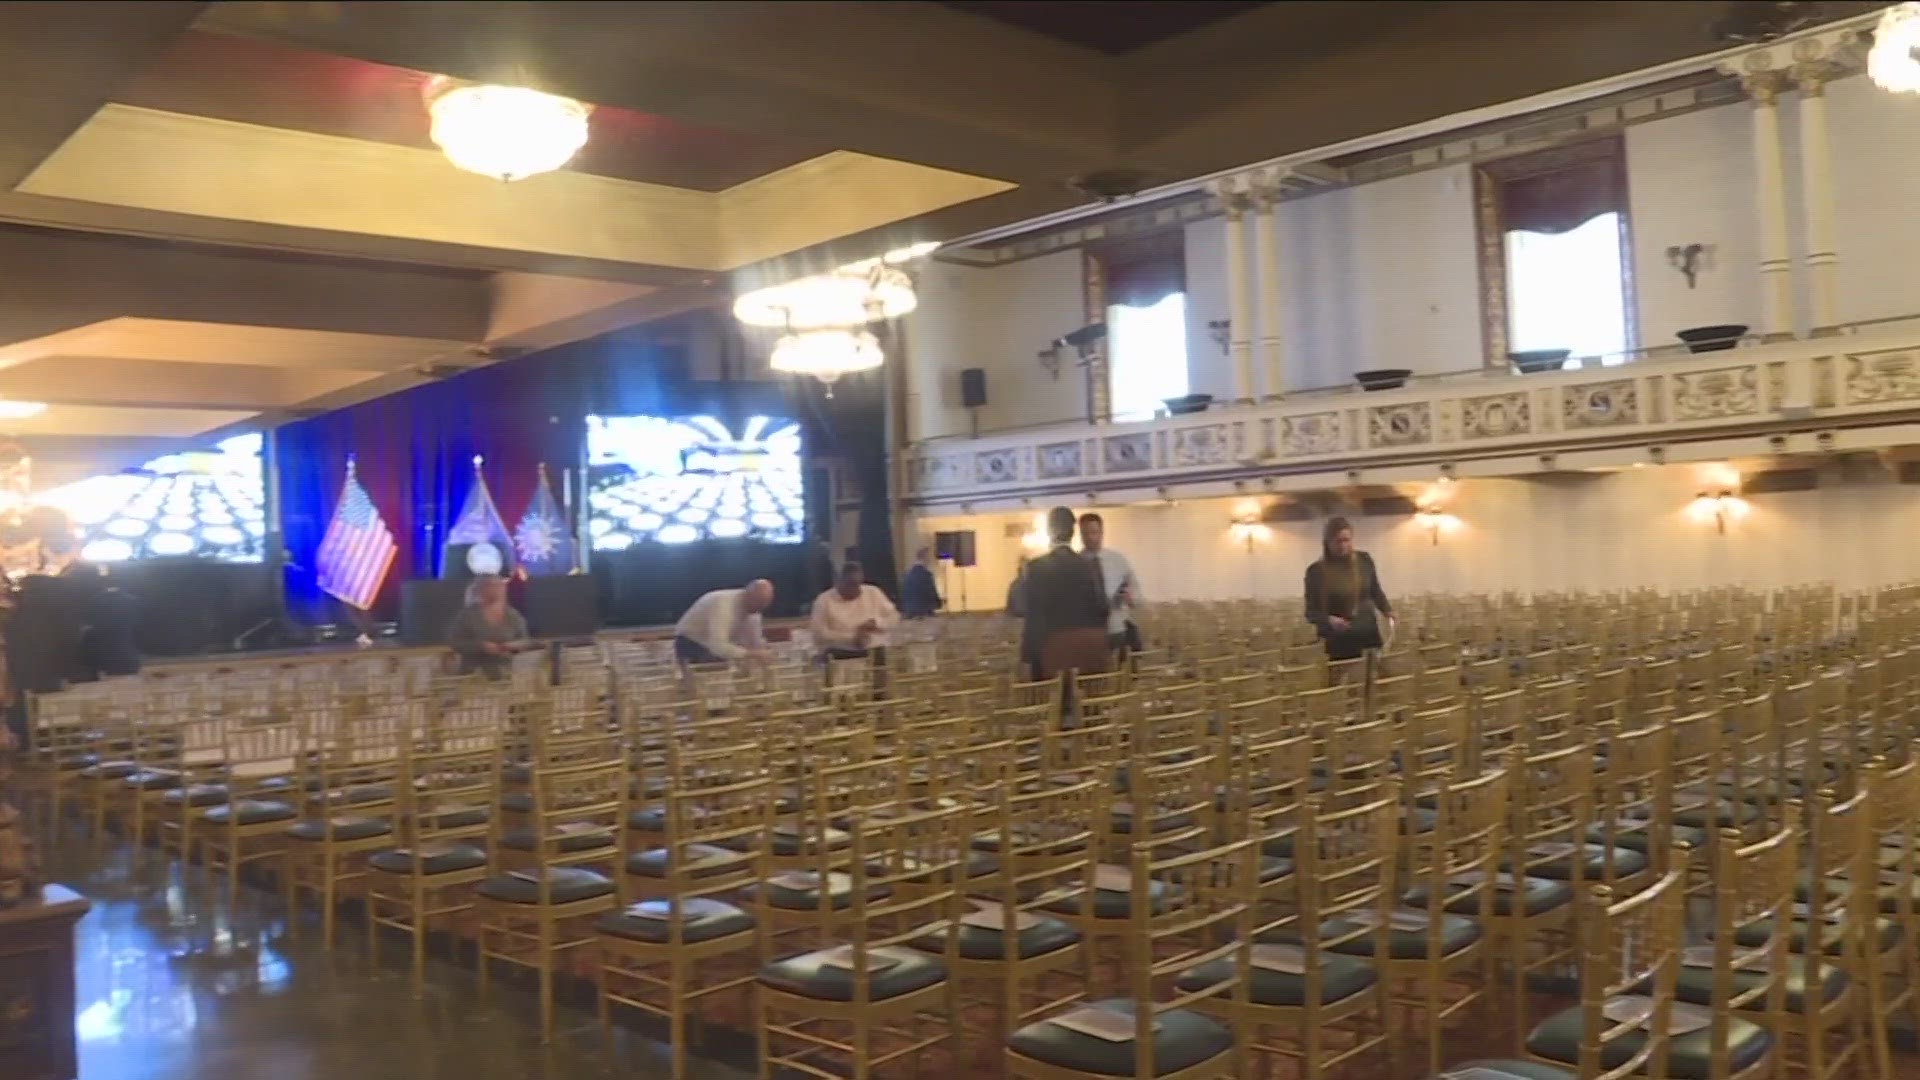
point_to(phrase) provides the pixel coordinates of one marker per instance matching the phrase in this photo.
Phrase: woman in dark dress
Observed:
(1344, 599)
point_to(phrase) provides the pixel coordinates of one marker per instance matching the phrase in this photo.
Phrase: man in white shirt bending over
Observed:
(1117, 577)
(724, 625)
(852, 619)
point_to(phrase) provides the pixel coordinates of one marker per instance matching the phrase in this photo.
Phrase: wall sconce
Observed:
(1248, 527)
(1036, 540)
(1221, 331)
(1717, 508)
(1436, 521)
(1688, 259)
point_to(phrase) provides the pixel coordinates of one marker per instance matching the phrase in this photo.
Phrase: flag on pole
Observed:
(541, 539)
(479, 535)
(357, 551)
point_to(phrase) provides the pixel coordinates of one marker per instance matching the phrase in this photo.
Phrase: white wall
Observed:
(1598, 531)
(994, 319)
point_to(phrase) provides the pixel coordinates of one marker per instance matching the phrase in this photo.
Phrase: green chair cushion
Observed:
(1725, 815)
(251, 812)
(442, 861)
(109, 770)
(1695, 985)
(1887, 894)
(1181, 1040)
(517, 802)
(1111, 903)
(839, 894)
(526, 840)
(566, 885)
(702, 919)
(1626, 863)
(1686, 836)
(1537, 897)
(196, 795)
(1689, 1056)
(978, 864)
(810, 975)
(1886, 935)
(990, 841)
(989, 943)
(1456, 932)
(460, 817)
(654, 862)
(152, 779)
(1341, 977)
(1122, 822)
(356, 828)
(1418, 821)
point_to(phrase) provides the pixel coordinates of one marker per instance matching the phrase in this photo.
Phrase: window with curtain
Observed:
(1555, 237)
(1146, 322)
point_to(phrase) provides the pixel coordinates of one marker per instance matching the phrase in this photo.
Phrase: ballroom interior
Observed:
(1591, 331)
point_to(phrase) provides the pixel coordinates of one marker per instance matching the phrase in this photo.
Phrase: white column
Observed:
(1266, 264)
(1816, 184)
(1769, 166)
(1233, 199)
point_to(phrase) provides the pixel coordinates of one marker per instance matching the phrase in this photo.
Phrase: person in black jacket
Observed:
(1063, 593)
(919, 593)
(1344, 599)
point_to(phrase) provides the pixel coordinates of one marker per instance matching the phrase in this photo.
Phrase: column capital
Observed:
(1232, 195)
(1762, 73)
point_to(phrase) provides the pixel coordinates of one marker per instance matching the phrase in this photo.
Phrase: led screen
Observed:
(204, 503)
(678, 480)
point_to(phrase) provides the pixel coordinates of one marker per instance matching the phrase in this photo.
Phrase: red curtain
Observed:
(1559, 190)
(1143, 270)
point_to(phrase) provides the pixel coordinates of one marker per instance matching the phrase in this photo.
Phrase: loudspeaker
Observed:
(973, 387)
(963, 554)
(427, 608)
(563, 606)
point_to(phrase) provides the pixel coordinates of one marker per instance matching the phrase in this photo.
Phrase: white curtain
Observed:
(1567, 290)
(1146, 356)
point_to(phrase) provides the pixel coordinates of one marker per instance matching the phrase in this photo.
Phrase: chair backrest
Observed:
(1196, 916)
(1631, 950)
(1633, 796)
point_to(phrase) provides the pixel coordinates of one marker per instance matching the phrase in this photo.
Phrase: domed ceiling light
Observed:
(850, 296)
(505, 132)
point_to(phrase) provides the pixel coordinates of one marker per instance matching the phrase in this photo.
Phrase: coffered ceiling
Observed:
(220, 214)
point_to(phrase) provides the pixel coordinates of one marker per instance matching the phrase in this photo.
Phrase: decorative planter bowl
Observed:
(1712, 338)
(1383, 378)
(1533, 361)
(1187, 405)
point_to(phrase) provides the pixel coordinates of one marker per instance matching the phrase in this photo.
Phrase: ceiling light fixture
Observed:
(850, 296)
(20, 410)
(827, 353)
(1891, 63)
(505, 132)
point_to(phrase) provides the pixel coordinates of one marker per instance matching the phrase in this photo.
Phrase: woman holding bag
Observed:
(1344, 599)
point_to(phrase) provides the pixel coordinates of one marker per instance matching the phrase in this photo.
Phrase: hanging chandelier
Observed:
(1891, 63)
(849, 296)
(505, 132)
(827, 353)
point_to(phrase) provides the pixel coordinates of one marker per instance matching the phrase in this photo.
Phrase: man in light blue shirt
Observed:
(1117, 577)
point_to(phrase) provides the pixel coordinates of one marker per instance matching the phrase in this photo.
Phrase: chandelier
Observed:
(1891, 63)
(11, 409)
(506, 132)
(849, 296)
(827, 353)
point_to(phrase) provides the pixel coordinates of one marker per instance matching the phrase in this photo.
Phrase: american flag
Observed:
(357, 551)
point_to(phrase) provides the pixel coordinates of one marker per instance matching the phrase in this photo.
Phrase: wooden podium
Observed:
(36, 986)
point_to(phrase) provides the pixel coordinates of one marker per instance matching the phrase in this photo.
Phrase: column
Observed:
(1233, 199)
(1266, 263)
(1769, 167)
(1816, 182)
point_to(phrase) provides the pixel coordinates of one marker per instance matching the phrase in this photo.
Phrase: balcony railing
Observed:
(1849, 379)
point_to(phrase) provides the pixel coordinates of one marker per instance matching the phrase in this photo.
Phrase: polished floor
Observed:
(173, 986)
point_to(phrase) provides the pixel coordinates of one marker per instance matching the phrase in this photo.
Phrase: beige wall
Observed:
(1592, 531)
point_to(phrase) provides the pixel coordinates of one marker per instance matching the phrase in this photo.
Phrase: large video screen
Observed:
(208, 504)
(683, 479)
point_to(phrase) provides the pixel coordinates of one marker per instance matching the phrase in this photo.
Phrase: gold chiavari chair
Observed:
(1029, 959)
(259, 773)
(1443, 942)
(809, 890)
(1625, 1024)
(1759, 982)
(353, 809)
(1633, 808)
(537, 912)
(445, 795)
(1194, 927)
(684, 940)
(1310, 999)
(853, 1008)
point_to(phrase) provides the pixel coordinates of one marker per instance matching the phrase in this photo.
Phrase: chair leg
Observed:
(677, 1018)
(546, 979)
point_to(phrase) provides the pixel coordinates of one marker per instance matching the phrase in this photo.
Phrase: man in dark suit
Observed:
(1066, 607)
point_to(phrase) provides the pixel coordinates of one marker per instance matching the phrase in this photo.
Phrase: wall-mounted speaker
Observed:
(973, 387)
(955, 547)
